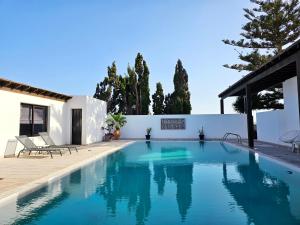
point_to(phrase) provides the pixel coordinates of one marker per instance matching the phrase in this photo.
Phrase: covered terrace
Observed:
(279, 69)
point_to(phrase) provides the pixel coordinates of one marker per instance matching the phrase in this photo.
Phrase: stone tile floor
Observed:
(21, 174)
(283, 153)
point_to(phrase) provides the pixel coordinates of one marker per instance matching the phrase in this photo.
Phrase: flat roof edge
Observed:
(13, 86)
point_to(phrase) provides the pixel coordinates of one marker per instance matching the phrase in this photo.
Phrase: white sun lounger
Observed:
(291, 137)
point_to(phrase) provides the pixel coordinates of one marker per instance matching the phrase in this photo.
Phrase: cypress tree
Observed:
(145, 90)
(168, 104)
(181, 95)
(139, 69)
(111, 80)
(104, 90)
(119, 95)
(272, 24)
(179, 101)
(131, 91)
(158, 100)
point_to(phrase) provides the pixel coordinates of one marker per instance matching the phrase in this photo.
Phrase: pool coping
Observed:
(35, 185)
(266, 156)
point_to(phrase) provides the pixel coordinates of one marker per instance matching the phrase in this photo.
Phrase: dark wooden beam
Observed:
(255, 76)
(222, 106)
(250, 125)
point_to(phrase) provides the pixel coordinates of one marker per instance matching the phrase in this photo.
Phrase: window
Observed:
(33, 119)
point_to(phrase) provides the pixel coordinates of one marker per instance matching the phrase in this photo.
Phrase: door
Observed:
(76, 126)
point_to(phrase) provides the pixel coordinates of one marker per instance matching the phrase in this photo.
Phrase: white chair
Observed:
(291, 137)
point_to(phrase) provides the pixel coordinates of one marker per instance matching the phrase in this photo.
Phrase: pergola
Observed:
(280, 68)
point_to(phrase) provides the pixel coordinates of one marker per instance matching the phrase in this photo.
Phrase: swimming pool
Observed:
(163, 182)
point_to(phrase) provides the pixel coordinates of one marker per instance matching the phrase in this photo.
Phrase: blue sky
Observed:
(66, 45)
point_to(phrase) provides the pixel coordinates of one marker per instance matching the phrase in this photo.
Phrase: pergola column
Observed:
(222, 106)
(248, 110)
(245, 104)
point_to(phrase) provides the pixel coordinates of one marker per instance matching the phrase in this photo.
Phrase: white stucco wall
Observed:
(93, 117)
(215, 126)
(291, 109)
(59, 118)
(272, 124)
(269, 126)
(76, 102)
(10, 117)
(96, 115)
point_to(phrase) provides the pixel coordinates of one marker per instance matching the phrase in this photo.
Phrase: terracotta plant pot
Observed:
(117, 134)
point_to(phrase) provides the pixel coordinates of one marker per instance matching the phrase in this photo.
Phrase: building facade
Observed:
(26, 110)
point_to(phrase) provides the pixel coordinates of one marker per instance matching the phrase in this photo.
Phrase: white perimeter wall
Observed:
(272, 124)
(215, 126)
(59, 118)
(269, 126)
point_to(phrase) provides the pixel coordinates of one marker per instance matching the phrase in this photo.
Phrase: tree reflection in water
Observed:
(127, 181)
(131, 181)
(262, 197)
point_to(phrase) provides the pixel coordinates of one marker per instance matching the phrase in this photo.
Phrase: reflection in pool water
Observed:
(167, 183)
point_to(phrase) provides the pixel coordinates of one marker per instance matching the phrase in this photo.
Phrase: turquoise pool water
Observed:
(167, 183)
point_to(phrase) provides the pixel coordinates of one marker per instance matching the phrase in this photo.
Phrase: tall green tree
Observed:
(139, 69)
(145, 90)
(158, 100)
(179, 101)
(129, 94)
(271, 25)
(168, 109)
(131, 91)
(104, 90)
(119, 95)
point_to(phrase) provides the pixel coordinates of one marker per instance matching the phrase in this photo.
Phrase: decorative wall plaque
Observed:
(172, 124)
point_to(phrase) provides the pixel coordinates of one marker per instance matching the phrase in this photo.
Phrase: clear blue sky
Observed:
(66, 45)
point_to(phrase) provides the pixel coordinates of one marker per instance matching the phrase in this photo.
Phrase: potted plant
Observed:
(119, 121)
(148, 133)
(201, 134)
(108, 128)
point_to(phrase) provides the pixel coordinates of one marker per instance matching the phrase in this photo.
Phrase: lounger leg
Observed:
(76, 149)
(60, 152)
(50, 154)
(19, 153)
(70, 151)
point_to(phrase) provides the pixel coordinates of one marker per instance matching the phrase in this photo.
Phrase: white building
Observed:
(27, 110)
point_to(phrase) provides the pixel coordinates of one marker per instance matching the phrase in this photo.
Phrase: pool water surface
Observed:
(163, 182)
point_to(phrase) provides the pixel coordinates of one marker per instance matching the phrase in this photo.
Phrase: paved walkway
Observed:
(283, 153)
(20, 175)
